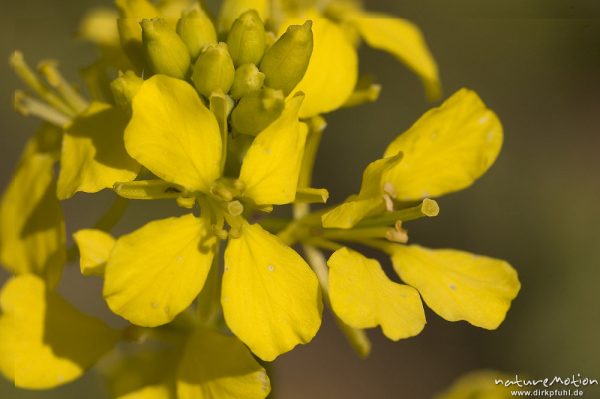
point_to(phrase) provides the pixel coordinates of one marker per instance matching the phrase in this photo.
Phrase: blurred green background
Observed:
(537, 64)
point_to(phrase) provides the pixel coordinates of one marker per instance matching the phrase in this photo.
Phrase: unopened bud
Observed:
(257, 111)
(196, 30)
(131, 12)
(125, 87)
(232, 9)
(246, 39)
(247, 79)
(285, 63)
(165, 51)
(213, 70)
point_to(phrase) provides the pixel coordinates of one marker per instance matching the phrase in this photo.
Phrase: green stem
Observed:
(220, 107)
(112, 215)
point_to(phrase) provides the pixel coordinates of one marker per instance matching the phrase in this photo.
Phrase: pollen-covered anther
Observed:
(389, 202)
(395, 235)
(389, 189)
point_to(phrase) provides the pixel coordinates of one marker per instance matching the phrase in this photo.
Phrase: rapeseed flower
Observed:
(225, 119)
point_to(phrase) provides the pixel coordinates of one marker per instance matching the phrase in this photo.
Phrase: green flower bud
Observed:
(247, 79)
(196, 30)
(166, 53)
(213, 70)
(257, 110)
(246, 39)
(131, 12)
(125, 87)
(285, 63)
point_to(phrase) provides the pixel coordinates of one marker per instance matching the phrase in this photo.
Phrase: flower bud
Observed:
(131, 12)
(125, 87)
(213, 70)
(246, 39)
(165, 51)
(231, 9)
(196, 30)
(257, 110)
(285, 63)
(247, 79)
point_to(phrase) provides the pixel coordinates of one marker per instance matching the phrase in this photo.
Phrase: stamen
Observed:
(30, 79)
(220, 233)
(235, 208)
(400, 236)
(427, 208)
(389, 203)
(26, 105)
(227, 189)
(49, 70)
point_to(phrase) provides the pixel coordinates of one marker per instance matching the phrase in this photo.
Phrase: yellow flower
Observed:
(32, 229)
(44, 340)
(446, 150)
(93, 153)
(200, 363)
(270, 297)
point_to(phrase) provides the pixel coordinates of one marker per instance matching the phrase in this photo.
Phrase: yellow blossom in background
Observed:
(477, 384)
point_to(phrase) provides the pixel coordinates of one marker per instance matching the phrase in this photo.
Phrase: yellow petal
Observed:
(332, 72)
(349, 213)
(270, 296)
(95, 247)
(32, 229)
(459, 285)
(154, 273)
(93, 154)
(370, 199)
(447, 149)
(271, 166)
(216, 366)
(363, 297)
(404, 40)
(174, 135)
(44, 341)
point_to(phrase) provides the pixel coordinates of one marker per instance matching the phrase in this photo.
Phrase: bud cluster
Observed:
(255, 71)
